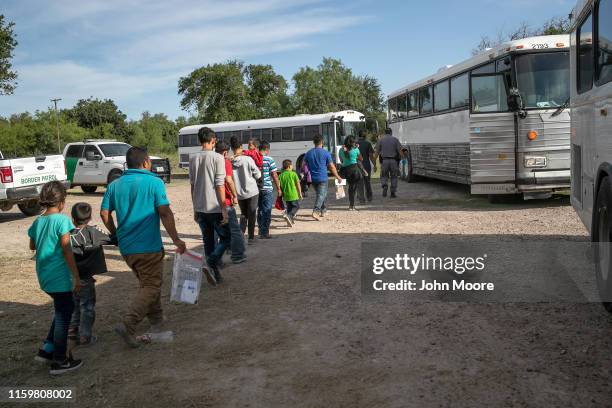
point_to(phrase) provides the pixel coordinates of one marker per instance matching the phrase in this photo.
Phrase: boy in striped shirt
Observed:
(266, 194)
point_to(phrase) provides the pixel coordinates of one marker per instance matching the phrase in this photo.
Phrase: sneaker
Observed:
(217, 275)
(287, 220)
(324, 213)
(251, 241)
(393, 195)
(68, 365)
(126, 337)
(353, 209)
(43, 357)
(239, 260)
(209, 276)
(87, 341)
(267, 236)
(292, 219)
(384, 192)
(316, 216)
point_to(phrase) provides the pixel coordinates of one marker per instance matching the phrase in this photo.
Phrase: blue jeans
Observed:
(236, 237)
(84, 313)
(210, 223)
(264, 211)
(292, 208)
(321, 196)
(57, 338)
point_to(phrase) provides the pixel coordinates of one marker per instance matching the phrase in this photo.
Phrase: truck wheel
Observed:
(30, 208)
(114, 175)
(89, 189)
(601, 238)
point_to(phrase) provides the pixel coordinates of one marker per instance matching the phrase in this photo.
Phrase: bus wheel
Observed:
(30, 208)
(410, 176)
(114, 175)
(601, 238)
(89, 189)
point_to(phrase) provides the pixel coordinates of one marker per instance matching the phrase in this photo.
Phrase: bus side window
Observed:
(287, 134)
(585, 55)
(246, 135)
(298, 134)
(276, 134)
(193, 140)
(393, 109)
(604, 42)
(402, 107)
(460, 91)
(266, 134)
(426, 100)
(256, 134)
(310, 132)
(413, 106)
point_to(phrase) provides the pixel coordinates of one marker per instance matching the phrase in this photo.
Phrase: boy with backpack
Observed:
(87, 242)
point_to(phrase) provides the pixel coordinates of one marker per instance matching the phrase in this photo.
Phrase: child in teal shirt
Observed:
(291, 191)
(57, 274)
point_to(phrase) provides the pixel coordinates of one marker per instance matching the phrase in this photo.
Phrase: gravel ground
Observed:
(291, 328)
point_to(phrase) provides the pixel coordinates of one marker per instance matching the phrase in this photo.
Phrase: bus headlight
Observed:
(531, 162)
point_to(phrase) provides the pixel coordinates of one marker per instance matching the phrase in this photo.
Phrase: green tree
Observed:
(102, 117)
(332, 87)
(267, 91)
(216, 92)
(8, 77)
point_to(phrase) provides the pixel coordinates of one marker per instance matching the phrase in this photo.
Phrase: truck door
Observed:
(73, 154)
(88, 167)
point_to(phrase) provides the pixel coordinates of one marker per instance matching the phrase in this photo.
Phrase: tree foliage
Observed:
(554, 26)
(233, 91)
(8, 77)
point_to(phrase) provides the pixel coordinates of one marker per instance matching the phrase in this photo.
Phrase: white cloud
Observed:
(130, 48)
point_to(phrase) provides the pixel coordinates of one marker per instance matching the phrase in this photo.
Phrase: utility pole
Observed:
(59, 147)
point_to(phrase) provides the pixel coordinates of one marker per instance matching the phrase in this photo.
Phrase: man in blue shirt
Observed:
(139, 201)
(319, 161)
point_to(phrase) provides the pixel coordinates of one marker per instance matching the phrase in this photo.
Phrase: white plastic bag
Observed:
(186, 277)
(340, 194)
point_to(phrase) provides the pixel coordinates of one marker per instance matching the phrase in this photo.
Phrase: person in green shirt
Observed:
(291, 191)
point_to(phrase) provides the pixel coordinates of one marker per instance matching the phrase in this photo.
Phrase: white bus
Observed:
(289, 137)
(591, 91)
(498, 121)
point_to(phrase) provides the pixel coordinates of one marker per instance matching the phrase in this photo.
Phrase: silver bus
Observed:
(498, 121)
(591, 91)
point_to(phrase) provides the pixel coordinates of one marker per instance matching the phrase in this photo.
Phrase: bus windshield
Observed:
(351, 129)
(543, 79)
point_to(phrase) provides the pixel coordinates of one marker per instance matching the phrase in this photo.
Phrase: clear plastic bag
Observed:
(186, 277)
(340, 194)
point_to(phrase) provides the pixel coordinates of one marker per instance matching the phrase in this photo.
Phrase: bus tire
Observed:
(114, 175)
(410, 177)
(602, 240)
(30, 208)
(89, 189)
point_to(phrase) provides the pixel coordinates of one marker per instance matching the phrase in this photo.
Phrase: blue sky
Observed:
(134, 51)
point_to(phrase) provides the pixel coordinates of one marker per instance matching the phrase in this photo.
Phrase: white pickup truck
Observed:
(22, 178)
(98, 162)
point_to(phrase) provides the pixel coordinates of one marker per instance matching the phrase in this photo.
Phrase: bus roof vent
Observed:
(444, 68)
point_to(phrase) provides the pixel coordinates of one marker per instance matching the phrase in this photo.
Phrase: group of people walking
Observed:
(69, 252)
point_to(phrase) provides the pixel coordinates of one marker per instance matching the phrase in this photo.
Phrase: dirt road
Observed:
(290, 327)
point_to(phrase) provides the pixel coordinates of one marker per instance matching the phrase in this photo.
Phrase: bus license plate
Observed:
(159, 169)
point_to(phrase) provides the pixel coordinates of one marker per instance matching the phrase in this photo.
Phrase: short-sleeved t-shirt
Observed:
(287, 180)
(317, 160)
(228, 191)
(349, 158)
(366, 150)
(51, 268)
(134, 197)
(268, 166)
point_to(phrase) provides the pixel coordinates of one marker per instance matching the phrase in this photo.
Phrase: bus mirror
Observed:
(515, 102)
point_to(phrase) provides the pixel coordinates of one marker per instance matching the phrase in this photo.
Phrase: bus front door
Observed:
(329, 138)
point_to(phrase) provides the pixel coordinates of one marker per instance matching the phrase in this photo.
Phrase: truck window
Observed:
(74, 151)
(585, 55)
(91, 148)
(604, 42)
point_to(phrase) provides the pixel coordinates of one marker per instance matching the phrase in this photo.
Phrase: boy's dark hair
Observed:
(221, 147)
(206, 135)
(264, 145)
(388, 131)
(235, 142)
(253, 141)
(349, 142)
(81, 213)
(286, 164)
(317, 139)
(136, 157)
(52, 194)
